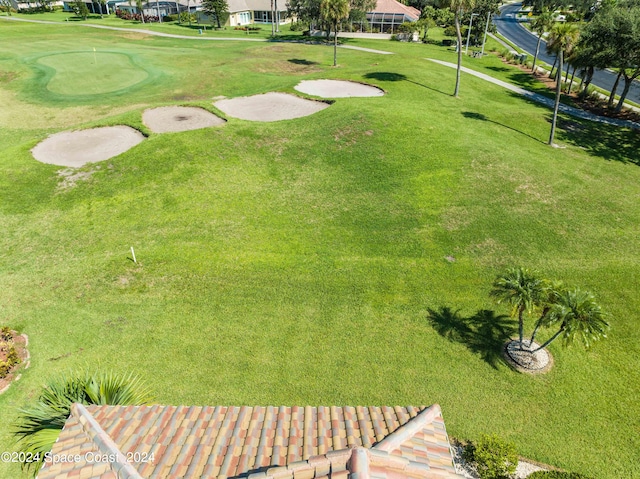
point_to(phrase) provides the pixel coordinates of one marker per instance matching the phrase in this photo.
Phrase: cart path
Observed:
(187, 37)
(569, 110)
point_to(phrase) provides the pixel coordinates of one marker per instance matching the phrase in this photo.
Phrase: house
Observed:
(245, 12)
(222, 442)
(388, 15)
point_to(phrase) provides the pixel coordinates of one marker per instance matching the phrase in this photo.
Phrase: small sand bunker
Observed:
(168, 119)
(76, 148)
(337, 88)
(269, 107)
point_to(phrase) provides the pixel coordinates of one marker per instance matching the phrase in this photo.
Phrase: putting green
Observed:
(91, 73)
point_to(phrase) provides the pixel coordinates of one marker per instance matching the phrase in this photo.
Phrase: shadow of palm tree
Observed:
(479, 116)
(391, 76)
(299, 61)
(484, 333)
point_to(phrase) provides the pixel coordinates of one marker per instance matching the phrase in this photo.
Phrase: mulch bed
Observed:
(597, 106)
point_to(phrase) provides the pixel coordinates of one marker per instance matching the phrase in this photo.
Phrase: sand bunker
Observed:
(76, 148)
(337, 89)
(179, 118)
(269, 107)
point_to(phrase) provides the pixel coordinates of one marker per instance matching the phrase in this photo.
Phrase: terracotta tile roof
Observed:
(134, 442)
(392, 6)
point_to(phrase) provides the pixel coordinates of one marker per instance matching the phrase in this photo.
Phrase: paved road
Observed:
(516, 33)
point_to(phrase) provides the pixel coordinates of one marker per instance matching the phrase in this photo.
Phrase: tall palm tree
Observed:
(563, 37)
(523, 290)
(541, 25)
(579, 318)
(458, 7)
(39, 425)
(334, 11)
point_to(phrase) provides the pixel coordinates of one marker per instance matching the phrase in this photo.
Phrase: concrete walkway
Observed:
(543, 99)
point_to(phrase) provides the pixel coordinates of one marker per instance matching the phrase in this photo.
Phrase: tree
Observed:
(101, 4)
(216, 8)
(39, 425)
(541, 25)
(579, 318)
(523, 290)
(80, 9)
(334, 11)
(6, 6)
(139, 9)
(563, 37)
(458, 7)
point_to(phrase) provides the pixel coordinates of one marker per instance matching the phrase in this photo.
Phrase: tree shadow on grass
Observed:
(612, 143)
(479, 116)
(300, 61)
(390, 76)
(484, 332)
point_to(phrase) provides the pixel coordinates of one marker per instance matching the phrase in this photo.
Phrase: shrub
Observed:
(450, 31)
(172, 17)
(556, 475)
(409, 27)
(493, 457)
(8, 354)
(6, 334)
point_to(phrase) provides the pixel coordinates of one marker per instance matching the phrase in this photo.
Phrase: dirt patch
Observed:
(179, 118)
(77, 148)
(269, 107)
(337, 89)
(20, 342)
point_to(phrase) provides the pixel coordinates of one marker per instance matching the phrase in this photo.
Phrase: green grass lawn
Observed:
(295, 262)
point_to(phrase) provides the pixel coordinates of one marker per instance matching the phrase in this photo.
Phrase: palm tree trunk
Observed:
(335, 44)
(549, 340)
(272, 26)
(276, 16)
(535, 57)
(459, 38)
(586, 81)
(557, 103)
(545, 311)
(613, 91)
(571, 82)
(521, 325)
(554, 65)
(627, 85)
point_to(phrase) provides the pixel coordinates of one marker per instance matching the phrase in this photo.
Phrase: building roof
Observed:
(392, 6)
(134, 442)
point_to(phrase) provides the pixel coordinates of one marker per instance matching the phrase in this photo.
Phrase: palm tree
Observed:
(522, 290)
(457, 7)
(334, 11)
(579, 316)
(39, 425)
(551, 291)
(541, 25)
(563, 37)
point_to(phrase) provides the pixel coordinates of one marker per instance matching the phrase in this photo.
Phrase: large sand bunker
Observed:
(337, 89)
(76, 148)
(269, 107)
(179, 118)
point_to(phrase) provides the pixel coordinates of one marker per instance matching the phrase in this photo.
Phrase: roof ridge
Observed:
(409, 429)
(104, 443)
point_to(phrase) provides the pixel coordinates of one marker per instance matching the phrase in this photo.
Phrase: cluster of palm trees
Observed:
(574, 312)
